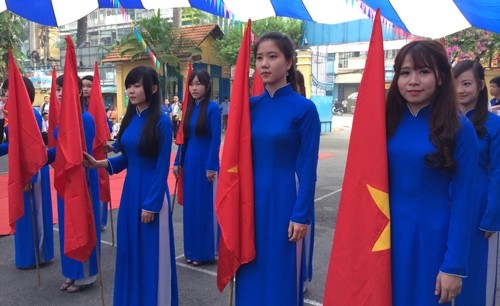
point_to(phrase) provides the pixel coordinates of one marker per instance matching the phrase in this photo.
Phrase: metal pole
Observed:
(35, 235)
(112, 226)
(231, 292)
(98, 243)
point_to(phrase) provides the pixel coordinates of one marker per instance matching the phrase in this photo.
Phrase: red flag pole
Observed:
(96, 110)
(70, 114)
(54, 110)
(179, 140)
(359, 271)
(235, 197)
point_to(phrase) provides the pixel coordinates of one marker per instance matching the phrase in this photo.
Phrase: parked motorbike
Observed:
(338, 109)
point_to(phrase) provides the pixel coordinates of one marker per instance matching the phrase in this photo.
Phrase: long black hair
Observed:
(481, 108)
(201, 122)
(444, 122)
(287, 47)
(150, 138)
(60, 82)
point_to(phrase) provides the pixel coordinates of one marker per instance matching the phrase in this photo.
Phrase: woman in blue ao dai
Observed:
(285, 144)
(145, 257)
(198, 158)
(432, 154)
(479, 287)
(37, 193)
(79, 276)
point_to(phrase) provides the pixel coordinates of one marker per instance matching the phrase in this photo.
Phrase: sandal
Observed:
(78, 288)
(66, 284)
(189, 261)
(197, 263)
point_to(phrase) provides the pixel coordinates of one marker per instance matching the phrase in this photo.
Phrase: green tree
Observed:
(473, 44)
(291, 27)
(194, 16)
(228, 47)
(12, 29)
(163, 39)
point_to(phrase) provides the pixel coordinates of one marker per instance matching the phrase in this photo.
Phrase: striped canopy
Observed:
(428, 18)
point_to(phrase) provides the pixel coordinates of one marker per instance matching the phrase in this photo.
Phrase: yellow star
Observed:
(381, 198)
(233, 169)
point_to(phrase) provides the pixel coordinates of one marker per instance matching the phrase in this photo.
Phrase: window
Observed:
(344, 59)
(390, 54)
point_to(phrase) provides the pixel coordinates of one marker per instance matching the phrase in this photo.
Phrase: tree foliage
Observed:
(195, 16)
(12, 29)
(473, 44)
(228, 47)
(158, 34)
(161, 37)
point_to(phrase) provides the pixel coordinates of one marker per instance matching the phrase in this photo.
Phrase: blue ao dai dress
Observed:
(479, 287)
(86, 272)
(145, 257)
(285, 145)
(430, 209)
(199, 154)
(42, 204)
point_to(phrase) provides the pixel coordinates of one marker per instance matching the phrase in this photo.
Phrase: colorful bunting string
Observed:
(388, 26)
(137, 33)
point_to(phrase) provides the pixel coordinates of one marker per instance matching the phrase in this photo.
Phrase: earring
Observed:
(287, 73)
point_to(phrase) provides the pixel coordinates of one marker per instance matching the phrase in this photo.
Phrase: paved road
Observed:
(197, 285)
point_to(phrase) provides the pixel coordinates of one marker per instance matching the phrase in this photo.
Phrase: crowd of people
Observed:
(442, 140)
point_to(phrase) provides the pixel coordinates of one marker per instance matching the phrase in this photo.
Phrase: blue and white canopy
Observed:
(429, 18)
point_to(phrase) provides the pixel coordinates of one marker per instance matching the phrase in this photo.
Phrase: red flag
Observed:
(53, 110)
(257, 84)
(179, 139)
(102, 135)
(79, 227)
(360, 263)
(235, 198)
(27, 153)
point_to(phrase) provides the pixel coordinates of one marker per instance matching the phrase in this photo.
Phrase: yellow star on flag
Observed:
(381, 198)
(233, 169)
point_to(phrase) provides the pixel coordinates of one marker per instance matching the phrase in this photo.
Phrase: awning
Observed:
(429, 18)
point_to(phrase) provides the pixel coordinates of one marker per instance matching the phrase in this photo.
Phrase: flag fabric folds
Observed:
(27, 153)
(235, 195)
(69, 177)
(360, 264)
(179, 138)
(54, 110)
(102, 134)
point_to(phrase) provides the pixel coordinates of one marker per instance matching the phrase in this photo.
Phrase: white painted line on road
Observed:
(327, 195)
(311, 302)
(199, 269)
(191, 267)
(202, 270)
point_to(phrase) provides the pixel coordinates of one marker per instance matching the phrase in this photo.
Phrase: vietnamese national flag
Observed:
(360, 264)
(102, 134)
(257, 84)
(235, 195)
(179, 138)
(27, 153)
(53, 110)
(69, 177)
